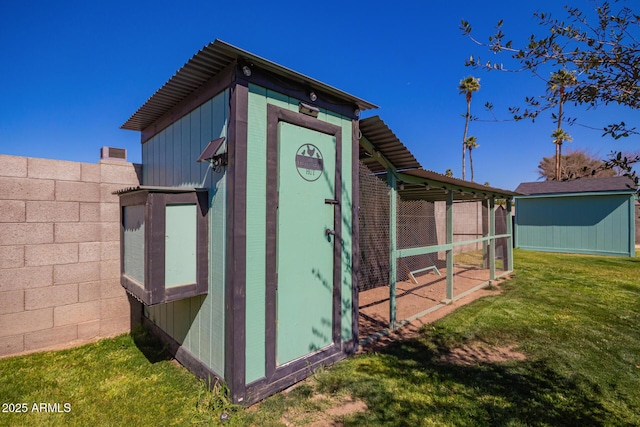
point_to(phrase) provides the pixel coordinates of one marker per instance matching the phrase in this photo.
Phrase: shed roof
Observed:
(582, 185)
(388, 144)
(205, 64)
(417, 183)
(463, 190)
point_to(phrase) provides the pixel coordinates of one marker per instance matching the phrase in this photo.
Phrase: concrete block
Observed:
(76, 313)
(13, 166)
(51, 296)
(110, 270)
(50, 337)
(78, 232)
(57, 253)
(26, 189)
(12, 279)
(90, 212)
(89, 251)
(89, 172)
(25, 233)
(106, 191)
(11, 256)
(115, 307)
(110, 231)
(88, 330)
(53, 169)
(89, 291)
(110, 212)
(115, 326)
(112, 289)
(118, 173)
(25, 321)
(12, 211)
(77, 191)
(11, 302)
(44, 211)
(76, 273)
(11, 345)
(110, 250)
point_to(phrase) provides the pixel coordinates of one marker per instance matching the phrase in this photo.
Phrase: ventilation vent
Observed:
(111, 153)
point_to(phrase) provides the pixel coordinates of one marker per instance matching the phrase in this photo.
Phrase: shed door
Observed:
(304, 245)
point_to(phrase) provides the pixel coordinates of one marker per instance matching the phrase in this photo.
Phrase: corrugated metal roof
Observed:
(464, 190)
(388, 144)
(582, 185)
(205, 64)
(157, 189)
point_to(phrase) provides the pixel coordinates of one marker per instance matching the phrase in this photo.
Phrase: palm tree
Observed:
(467, 86)
(559, 136)
(557, 84)
(470, 144)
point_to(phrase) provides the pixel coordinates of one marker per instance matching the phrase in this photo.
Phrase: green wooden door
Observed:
(304, 248)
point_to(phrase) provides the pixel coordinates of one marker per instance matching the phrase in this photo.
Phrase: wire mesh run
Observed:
(374, 231)
(422, 282)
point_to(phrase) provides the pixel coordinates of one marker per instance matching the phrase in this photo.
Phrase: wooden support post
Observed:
(509, 265)
(449, 253)
(485, 233)
(393, 255)
(492, 240)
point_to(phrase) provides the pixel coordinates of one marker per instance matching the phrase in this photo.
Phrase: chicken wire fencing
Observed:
(421, 280)
(374, 231)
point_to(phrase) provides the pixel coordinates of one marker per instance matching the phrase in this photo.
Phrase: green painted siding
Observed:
(592, 224)
(256, 222)
(180, 245)
(256, 233)
(169, 159)
(133, 224)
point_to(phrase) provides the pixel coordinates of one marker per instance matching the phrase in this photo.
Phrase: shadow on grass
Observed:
(150, 346)
(409, 383)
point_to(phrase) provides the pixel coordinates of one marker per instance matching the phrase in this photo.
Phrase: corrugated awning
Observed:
(418, 183)
(431, 185)
(205, 64)
(157, 189)
(386, 143)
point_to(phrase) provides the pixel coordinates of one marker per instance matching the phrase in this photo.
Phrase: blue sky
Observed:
(72, 72)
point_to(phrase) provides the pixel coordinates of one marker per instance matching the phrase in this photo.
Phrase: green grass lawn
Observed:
(575, 318)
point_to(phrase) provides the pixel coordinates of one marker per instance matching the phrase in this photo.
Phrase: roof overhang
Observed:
(381, 149)
(420, 184)
(207, 63)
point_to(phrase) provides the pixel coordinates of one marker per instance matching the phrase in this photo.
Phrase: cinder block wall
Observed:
(60, 253)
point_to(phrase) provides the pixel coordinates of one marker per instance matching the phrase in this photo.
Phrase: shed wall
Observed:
(169, 159)
(591, 224)
(259, 98)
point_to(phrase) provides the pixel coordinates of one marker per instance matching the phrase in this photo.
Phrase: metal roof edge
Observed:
(198, 70)
(435, 176)
(578, 193)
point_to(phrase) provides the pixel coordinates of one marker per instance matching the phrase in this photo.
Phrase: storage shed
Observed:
(240, 242)
(587, 216)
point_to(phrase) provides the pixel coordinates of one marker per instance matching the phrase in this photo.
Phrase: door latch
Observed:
(328, 232)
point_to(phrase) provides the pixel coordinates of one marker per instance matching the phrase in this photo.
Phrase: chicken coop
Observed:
(241, 239)
(273, 229)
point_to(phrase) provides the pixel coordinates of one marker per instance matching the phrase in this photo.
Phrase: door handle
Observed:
(330, 232)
